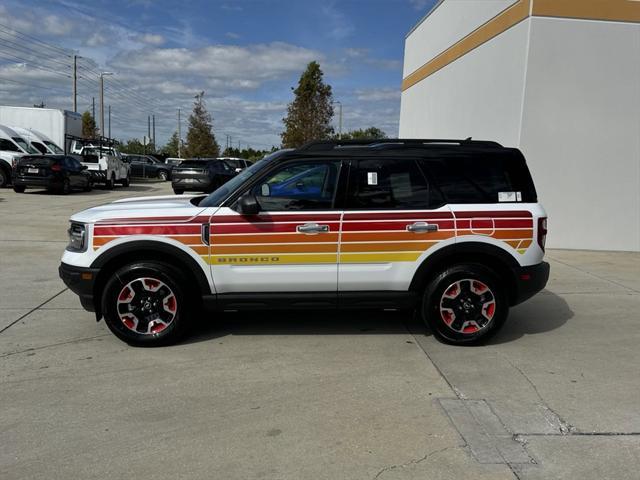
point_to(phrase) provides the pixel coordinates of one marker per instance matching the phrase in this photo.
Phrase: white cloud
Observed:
(151, 39)
(378, 94)
(421, 4)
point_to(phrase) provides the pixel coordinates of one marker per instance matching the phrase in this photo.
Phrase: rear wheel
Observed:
(145, 306)
(465, 304)
(127, 181)
(111, 182)
(4, 178)
(19, 188)
(66, 187)
(89, 186)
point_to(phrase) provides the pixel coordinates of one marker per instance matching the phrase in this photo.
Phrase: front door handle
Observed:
(311, 228)
(422, 227)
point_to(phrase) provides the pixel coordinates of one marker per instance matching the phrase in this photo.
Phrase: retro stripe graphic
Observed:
(365, 237)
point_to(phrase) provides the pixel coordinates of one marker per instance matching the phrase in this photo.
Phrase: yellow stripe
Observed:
(379, 257)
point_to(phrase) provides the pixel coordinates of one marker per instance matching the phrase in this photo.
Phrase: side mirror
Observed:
(248, 204)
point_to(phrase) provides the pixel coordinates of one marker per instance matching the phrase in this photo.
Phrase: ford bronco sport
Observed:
(450, 227)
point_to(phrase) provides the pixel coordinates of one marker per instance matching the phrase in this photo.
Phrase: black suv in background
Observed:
(54, 172)
(145, 166)
(201, 175)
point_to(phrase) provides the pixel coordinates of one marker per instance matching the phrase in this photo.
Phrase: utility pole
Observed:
(154, 131)
(93, 109)
(148, 127)
(75, 83)
(179, 136)
(102, 75)
(109, 121)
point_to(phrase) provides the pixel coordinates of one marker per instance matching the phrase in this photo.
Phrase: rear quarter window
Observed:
(481, 177)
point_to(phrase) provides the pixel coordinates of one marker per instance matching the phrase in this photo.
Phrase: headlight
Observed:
(77, 237)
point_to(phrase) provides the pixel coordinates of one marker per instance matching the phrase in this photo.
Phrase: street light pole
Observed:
(102, 75)
(339, 118)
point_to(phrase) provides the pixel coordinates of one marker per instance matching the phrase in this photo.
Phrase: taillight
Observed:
(56, 167)
(542, 232)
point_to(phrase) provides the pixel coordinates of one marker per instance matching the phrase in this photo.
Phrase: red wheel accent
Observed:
(147, 306)
(467, 306)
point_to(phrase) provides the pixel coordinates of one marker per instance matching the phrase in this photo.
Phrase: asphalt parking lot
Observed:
(296, 396)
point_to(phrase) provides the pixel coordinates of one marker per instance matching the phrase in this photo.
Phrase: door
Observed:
(292, 244)
(74, 172)
(392, 221)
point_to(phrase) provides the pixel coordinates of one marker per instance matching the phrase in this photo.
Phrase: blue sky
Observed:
(244, 54)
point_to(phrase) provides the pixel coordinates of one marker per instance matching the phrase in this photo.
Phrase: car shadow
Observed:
(543, 313)
(97, 191)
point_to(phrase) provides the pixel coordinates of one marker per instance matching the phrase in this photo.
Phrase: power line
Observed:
(42, 87)
(25, 49)
(10, 30)
(24, 61)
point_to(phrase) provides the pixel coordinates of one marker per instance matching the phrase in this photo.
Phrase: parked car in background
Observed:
(146, 166)
(12, 147)
(173, 161)
(201, 175)
(58, 173)
(103, 160)
(39, 141)
(238, 164)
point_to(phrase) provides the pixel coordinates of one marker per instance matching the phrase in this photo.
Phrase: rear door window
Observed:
(8, 145)
(385, 184)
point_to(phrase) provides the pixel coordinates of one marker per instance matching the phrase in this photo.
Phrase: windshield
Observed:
(53, 147)
(24, 145)
(218, 196)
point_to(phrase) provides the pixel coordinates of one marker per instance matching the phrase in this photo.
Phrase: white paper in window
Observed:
(372, 178)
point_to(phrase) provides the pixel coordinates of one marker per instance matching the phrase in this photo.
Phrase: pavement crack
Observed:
(33, 349)
(33, 310)
(414, 461)
(563, 426)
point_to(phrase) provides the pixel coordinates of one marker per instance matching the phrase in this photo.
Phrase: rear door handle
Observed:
(311, 228)
(422, 227)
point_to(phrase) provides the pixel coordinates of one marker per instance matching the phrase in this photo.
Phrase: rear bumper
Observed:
(27, 181)
(197, 184)
(80, 281)
(530, 280)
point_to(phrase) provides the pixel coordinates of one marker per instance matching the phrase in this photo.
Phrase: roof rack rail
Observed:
(327, 145)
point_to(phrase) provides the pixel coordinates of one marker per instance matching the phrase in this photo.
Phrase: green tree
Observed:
(171, 148)
(371, 133)
(201, 141)
(309, 115)
(247, 153)
(133, 146)
(89, 128)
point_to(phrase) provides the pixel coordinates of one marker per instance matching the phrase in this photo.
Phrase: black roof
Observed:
(396, 143)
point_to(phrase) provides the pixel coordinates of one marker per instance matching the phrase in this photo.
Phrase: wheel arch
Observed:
(495, 258)
(147, 250)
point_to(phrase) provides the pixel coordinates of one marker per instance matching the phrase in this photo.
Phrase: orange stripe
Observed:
(201, 250)
(274, 248)
(273, 238)
(387, 247)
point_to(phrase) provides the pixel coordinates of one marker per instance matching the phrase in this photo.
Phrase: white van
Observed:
(39, 141)
(12, 147)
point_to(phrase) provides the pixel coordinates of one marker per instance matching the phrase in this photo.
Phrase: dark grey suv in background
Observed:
(200, 175)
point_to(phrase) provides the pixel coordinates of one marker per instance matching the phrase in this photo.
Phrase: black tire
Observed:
(178, 192)
(4, 178)
(163, 175)
(129, 328)
(66, 187)
(127, 181)
(19, 188)
(89, 186)
(111, 183)
(468, 314)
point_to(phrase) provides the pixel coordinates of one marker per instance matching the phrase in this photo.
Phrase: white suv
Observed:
(452, 228)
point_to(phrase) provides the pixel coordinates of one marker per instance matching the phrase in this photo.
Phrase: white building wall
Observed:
(448, 23)
(581, 130)
(479, 95)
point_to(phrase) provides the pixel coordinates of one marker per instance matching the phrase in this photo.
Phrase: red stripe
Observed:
(389, 226)
(501, 213)
(270, 218)
(148, 230)
(396, 216)
(266, 228)
(498, 223)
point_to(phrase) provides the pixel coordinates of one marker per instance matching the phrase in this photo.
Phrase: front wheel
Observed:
(145, 306)
(127, 181)
(178, 191)
(162, 175)
(465, 304)
(4, 178)
(109, 184)
(19, 188)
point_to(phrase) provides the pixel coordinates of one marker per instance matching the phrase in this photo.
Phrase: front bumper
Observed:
(80, 281)
(530, 280)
